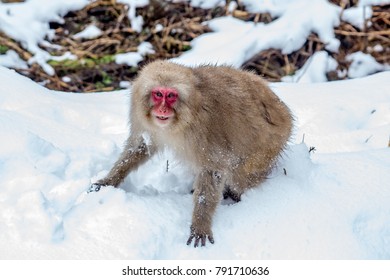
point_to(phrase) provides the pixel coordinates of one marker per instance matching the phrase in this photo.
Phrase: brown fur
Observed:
(228, 125)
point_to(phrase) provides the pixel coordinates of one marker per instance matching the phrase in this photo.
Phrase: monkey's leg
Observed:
(207, 194)
(244, 179)
(130, 159)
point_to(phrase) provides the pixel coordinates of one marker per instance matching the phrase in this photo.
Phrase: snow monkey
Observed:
(226, 123)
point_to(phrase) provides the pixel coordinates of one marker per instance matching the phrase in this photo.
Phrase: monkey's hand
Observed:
(105, 182)
(200, 235)
(95, 188)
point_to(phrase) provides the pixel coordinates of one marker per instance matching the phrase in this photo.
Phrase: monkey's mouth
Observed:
(162, 121)
(162, 118)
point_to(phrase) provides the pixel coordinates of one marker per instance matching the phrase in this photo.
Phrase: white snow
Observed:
(232, 6)
(364, 64)
(90, 32)
(28, 23)
(357, 16)
(331, 203)
(124, 84)
(11, 59)
(130, 59)
(145, 48)
(245, 39)
(66, 79)
(136, 21)
(314, 70)
(65, 56)
(158, 28)
(133, 58)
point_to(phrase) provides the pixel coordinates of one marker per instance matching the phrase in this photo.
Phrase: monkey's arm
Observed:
(207, 194)
(134, 154)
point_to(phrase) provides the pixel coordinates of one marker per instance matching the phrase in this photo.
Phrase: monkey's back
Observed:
(239, 107)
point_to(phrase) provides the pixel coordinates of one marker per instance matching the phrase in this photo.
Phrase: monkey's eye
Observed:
(158, 94)
(171, 95)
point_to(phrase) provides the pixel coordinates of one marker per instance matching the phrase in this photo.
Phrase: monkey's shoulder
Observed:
(226, 74)
(219, 69)
(228, 82)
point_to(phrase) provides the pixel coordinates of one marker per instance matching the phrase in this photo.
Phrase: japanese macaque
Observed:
(226, 123)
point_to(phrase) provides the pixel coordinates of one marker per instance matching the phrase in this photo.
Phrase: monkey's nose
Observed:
(162, 108)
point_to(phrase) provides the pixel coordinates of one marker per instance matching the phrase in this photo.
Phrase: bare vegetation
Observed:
(95, 69)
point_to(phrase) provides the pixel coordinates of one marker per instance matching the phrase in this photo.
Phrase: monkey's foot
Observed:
(228, 193)
(202, 237)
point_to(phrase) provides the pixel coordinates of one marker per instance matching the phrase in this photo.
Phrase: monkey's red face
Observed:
(163, 100)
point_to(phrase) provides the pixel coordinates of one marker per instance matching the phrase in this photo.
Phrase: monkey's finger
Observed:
(189, 241)
(94, 188)
(203, 240)
(211, 239)
(197, 239)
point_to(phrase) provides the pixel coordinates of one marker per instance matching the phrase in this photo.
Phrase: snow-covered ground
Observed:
(331, 203)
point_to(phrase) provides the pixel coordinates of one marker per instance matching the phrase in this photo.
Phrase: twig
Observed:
(362, 34)
(14, 46)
